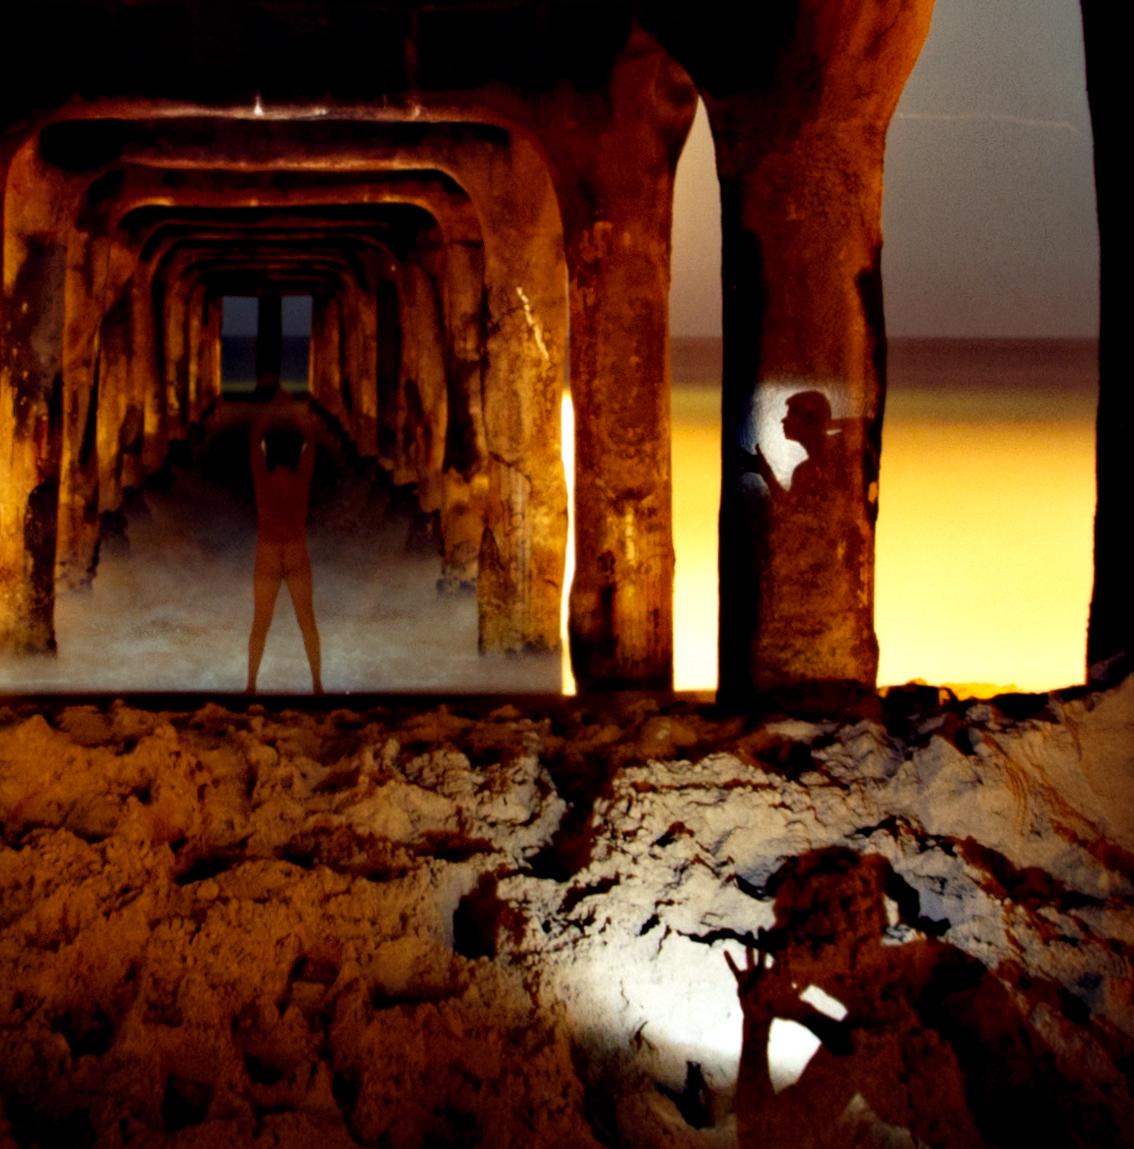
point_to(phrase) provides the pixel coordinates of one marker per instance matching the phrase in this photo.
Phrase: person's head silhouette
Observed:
(831, 903)
(283, 444)
(807, 419)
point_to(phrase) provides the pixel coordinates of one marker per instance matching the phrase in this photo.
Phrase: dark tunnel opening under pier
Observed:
(238, 344)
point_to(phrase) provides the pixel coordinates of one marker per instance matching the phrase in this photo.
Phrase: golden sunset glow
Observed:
(984, 552)
(696, 495)
(983, 555)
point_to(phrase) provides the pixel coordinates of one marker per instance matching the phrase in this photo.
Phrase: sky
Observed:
(989, 216)
(240, 315)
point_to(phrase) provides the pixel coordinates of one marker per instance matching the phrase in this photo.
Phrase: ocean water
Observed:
(983, 561)
(238, 363)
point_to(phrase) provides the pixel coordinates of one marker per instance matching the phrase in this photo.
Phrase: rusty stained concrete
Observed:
(543, 198)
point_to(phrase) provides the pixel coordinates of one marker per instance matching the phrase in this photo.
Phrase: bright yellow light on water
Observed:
(696, 494)
(983, 569)
(984, 552)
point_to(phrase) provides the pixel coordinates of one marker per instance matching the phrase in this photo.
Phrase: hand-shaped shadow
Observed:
(931, 1041)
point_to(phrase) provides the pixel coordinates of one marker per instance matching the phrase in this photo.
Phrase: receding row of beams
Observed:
(511, 620)
(538, 212)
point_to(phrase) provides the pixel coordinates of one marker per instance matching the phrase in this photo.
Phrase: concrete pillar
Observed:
(329, 357)
(349, 355)
(97, 349)
(520, 580)
(617, 222)
(211, 350)
(1111, 628)
(389, 364)
(148, 369)
(312, 365)
(422, 401)
(366, 328)
(175, 355)
(31, 425)
(83, 399)
(119, 422)
(269, 342)
(357, 355)
(799, 157)
(194, 332)
(464, 475)
(317, 355)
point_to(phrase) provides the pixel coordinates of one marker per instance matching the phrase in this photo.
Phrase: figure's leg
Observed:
(299, 587)
(265, 587)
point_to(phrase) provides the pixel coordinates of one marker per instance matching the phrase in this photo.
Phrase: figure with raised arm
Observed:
(283, 459)
(916, 1041)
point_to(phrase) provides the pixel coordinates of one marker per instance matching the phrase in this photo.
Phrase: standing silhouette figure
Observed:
(283, 459)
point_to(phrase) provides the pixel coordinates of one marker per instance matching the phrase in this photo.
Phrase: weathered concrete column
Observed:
(520, 579)
(148, 371)
(119, 419)
(31, 405)
(269, 342)
(799, 155)
(175, 358)
(194, 332)
(464, 476)
(357, 392)
(1111, 629)
(210, 351)
(389, 363)
(83, 398)
(323, 355)
(348, 355)
(421, 408)
(332, 351)
(366, 336)
(96, 356)
(312, 365)
(617, 220)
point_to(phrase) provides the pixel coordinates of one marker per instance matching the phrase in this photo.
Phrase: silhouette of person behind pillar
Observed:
(283, 459)
(931, 1041)
(808, 423)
